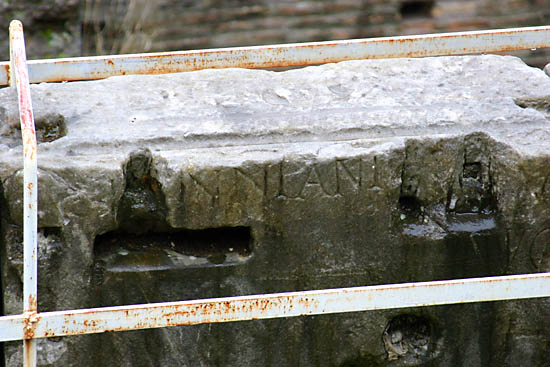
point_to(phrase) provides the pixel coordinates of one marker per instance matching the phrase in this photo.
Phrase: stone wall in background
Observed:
(52, 28)
(90, 27)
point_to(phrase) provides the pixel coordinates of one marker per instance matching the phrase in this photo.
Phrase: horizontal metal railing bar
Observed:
(98, 67)
(266, 306)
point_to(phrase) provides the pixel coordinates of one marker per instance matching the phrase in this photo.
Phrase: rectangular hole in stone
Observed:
(122, 252)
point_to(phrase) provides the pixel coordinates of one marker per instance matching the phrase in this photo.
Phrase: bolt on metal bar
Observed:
(267, 306)
(98, 67)
(20, 79)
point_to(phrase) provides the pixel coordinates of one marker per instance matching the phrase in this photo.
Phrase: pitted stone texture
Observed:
(350, 100)
(357, 173)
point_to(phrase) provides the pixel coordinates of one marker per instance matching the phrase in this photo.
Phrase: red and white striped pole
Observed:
(19, 77)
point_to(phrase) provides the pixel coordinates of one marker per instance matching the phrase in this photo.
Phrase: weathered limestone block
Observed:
(233, 182)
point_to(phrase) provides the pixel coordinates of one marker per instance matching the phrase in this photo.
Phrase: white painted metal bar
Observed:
(266, 306)
(20, 79)
(98, 67)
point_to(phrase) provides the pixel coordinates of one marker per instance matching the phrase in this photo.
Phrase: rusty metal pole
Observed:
(297, 54)
(19, 77)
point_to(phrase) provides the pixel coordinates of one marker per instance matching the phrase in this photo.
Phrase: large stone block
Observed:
(233, 182)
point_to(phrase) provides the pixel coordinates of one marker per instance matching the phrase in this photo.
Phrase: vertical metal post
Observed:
(19, 77)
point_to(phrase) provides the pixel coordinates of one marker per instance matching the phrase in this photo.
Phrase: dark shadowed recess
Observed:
(413, 9)
(409, 338)
(409, 205)
(208, 243)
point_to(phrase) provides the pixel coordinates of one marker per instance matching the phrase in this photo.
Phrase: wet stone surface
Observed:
(234, 182)
(125, 252)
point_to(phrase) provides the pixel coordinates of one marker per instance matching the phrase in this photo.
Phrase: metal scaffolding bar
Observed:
(267, 306)
(98, 67)
(20, 78)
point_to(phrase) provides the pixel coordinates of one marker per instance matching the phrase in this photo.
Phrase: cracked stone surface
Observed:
(231, 182)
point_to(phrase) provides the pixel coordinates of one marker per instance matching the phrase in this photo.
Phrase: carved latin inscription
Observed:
(286, 179)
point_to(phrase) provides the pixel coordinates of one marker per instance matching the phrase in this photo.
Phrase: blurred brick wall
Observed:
(196, 24)
(93, 27)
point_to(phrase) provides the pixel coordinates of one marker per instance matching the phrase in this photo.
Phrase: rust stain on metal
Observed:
(256, 307)
(99, 67)
(49, 333)
(29, 351)
(33, 304)
(31, 318)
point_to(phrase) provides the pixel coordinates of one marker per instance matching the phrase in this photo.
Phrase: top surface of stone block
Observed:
(371, 99)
